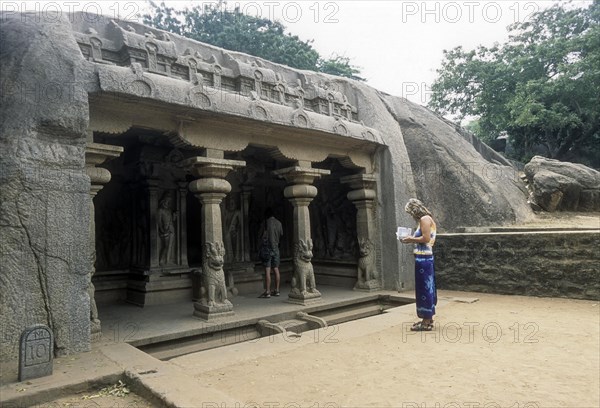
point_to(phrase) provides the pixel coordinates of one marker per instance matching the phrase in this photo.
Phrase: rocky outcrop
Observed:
(461, 180)
(561, 186)
(44, 192)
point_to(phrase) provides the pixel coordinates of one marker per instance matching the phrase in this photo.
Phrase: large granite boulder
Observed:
(462, 181)
(562, 186)
(44, 192)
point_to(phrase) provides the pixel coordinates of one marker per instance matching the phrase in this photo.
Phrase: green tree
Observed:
(340, 66)
(231, 29)
(542, 87)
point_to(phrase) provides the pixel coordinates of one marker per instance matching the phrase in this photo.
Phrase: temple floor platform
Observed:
(149, 325)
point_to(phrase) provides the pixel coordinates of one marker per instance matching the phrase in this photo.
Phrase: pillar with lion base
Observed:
(211, 188)
(96, 154)
(301, 192)
(363, 196)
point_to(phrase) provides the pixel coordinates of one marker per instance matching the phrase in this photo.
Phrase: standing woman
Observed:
(424, 238)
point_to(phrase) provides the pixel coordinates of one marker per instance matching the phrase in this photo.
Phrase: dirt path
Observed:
(502, 351)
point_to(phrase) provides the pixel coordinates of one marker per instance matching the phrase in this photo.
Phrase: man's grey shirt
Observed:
(274, 231)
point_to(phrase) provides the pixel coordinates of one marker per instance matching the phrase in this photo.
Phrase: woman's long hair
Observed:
(417, 209)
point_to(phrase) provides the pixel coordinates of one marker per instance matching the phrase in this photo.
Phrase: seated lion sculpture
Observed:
(303, 281)
(214, 290)
(368, 278)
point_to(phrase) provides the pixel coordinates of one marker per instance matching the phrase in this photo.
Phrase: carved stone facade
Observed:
(165, 206)
(160, 228)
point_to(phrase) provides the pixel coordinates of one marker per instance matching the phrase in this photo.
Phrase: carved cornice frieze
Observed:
(182, 71)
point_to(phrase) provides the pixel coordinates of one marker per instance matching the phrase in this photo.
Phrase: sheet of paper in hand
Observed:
(403, 233)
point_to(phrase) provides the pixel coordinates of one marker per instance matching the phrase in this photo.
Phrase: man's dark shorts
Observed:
(273, 261)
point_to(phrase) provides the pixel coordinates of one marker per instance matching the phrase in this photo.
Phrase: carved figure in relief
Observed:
(94, 320)
(232, 236)
(214, 289)
(303, 280)
(166, 229)
(337, 233)
(367, 274)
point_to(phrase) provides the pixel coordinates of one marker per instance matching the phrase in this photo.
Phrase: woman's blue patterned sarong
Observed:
(425, 291)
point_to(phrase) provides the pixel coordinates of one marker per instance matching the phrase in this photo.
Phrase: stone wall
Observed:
(557, 264)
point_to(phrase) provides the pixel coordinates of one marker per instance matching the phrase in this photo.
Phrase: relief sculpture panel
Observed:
(167, 219)
(232, 229)
(333, 220)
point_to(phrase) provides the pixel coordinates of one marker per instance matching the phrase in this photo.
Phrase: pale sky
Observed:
(397, 44)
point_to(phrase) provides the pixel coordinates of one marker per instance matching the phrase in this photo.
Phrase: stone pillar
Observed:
(211, 188)
(301, 192)
(96, 154)
(363, 196)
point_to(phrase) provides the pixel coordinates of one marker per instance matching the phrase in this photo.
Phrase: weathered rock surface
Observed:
(562, 186)
(44, 193)
(461, 180)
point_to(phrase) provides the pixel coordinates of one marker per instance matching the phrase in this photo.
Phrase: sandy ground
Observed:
(564, 220)
(502, 351)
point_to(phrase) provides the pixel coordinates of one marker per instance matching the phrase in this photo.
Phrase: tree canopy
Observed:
(212, 23)
(541, 88)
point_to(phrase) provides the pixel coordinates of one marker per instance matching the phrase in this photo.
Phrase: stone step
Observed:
(295, 325)
(354, 312)
(205, 341)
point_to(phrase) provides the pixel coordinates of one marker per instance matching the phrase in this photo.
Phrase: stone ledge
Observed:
(552, 264)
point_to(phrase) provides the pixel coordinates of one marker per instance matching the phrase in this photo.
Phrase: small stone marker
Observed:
(36, 352)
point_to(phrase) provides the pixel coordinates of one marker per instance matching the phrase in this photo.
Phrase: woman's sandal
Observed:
(265, 295)
(420, 326)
